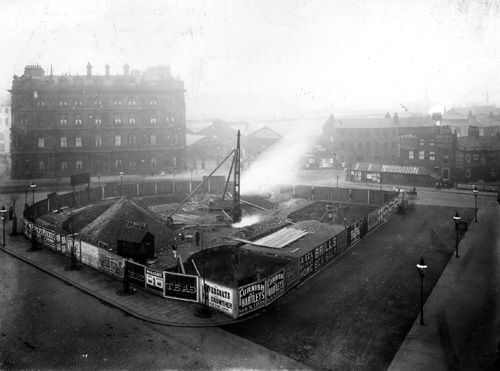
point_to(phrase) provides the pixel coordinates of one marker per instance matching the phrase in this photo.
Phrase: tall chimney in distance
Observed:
(106, 70)
(89, 69)
(126, 69)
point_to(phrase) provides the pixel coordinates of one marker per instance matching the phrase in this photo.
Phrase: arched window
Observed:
(64, 166)
(118, 164)
(41, 166)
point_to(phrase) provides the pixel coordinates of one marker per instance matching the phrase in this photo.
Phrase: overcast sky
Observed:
(271, 58)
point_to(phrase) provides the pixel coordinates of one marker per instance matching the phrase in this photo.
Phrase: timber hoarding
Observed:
(219, 297)
(181, 286)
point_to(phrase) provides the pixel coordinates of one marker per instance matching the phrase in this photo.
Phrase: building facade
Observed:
(412, 141)
(432, 147)
(132, 123)
(478, 159)
(5, 122)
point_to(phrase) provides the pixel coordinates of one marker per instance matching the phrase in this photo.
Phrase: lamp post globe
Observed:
(33, 186)
(475, 192)
(457, 219)
(421, 267)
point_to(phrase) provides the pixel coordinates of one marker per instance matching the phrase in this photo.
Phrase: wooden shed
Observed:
(138, 245)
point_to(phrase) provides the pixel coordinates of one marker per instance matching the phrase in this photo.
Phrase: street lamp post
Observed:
(121, 182)
(421, 270)
(475, 192)
(3, 212)
(33, 186)
(73, 266)
(457, 218)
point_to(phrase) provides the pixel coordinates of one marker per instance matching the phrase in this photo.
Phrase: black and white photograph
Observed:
(250, 185)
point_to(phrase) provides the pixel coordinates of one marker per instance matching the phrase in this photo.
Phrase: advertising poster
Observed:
(331, 249)
(251, 297)
(291, 274)
(306, 264)
(110, 263)
(319, 256)
(219, 297)
(154, 280)
(48, 237)
(64, 244)
(90, 254)
(275, 286)
(180, 286)
(27, 228)
(136, 273)
(355, 234)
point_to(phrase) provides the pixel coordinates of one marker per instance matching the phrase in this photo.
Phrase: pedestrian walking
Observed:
(174, 250)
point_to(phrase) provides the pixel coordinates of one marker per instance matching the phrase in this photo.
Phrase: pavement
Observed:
(142, 304)
(462, 314)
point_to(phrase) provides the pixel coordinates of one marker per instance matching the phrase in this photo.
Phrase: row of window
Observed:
(367, 132)
(493, 172)
(97, 102)
(7, 121)
(78, 141)
(422, 156)
(366, 146)
(118, 164)
(117, 119)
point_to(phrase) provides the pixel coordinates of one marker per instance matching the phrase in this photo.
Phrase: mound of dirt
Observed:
(109, 225)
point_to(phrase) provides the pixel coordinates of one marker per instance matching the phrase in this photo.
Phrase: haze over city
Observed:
(279, 59)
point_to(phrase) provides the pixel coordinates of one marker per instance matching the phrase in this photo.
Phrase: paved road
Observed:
(46, 324)
(354, 314)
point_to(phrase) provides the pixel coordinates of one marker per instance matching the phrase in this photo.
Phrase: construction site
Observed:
(209, 230)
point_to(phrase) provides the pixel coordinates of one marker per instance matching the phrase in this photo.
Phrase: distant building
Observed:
(259, 141)
(5, 123)
(478, 158)
(432, 147)
(367, 139)
(132, 123)
(209, 146)
(414, 141)
(460, 119)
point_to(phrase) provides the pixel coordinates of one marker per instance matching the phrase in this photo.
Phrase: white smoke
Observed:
(279, 164)
(246, 221)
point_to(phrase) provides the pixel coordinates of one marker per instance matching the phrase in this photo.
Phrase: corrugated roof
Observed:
(396, 169)
(281, 238)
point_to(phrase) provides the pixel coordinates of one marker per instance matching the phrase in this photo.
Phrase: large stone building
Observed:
(62, 125)
(5, 122)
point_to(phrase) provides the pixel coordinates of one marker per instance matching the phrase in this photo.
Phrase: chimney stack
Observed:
(126, 69)
(106, 69)
(89, 69)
